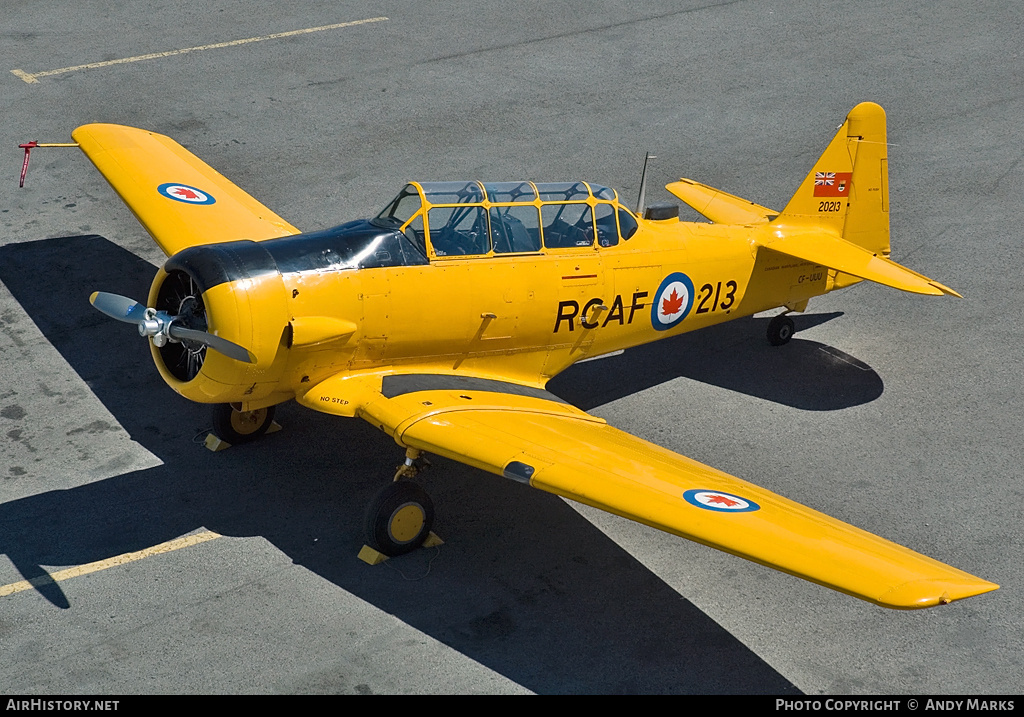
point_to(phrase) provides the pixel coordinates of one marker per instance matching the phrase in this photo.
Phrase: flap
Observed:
(178, 198)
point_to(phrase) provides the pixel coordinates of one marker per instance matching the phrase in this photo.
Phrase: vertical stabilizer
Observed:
(847, 191)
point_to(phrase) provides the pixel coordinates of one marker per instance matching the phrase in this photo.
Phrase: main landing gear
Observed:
(780, 330)
(236, 426)
(399, 518)
(231, 426)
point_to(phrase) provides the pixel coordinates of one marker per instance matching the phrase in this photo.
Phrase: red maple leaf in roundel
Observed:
(672, 304)
(186, 193)
(722, 500)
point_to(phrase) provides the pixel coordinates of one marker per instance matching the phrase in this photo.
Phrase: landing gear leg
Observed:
(780, 330)
(415, 463)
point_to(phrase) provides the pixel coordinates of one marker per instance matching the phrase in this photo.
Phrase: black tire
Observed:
(241, 426)
(780, 330)
(399, 518)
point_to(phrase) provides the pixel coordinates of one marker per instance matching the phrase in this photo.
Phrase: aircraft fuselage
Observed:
(520, 316)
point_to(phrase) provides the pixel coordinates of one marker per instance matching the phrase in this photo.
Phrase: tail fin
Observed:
(838, 218)
(847, 191)
(847, 195)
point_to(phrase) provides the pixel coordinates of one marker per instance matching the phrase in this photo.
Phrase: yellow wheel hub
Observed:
(406, 522)
(246, 422)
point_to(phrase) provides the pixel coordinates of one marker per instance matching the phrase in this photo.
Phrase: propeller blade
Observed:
(118, 307)
(229, 349)
(132, 312)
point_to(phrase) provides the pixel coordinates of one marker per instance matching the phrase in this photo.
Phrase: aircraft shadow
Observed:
(524, 585)
(803, 374)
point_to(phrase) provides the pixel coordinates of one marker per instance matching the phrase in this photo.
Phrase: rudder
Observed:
(867, 219)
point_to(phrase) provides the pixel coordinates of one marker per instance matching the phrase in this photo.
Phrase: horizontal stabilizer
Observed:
(718, 206)
(835, 253)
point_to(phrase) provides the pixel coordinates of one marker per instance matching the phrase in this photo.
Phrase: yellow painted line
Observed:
(31, 78)
(25, 76)
(75, 572)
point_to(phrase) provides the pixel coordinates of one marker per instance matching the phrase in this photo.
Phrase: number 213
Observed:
(707, 291)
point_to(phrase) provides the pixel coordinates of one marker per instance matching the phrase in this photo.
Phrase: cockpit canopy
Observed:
(453, 219)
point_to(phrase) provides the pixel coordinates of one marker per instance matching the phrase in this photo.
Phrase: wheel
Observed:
(241, 426)
(399, 518)
(780, 330)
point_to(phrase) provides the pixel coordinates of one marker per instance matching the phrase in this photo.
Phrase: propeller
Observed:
(162, 327)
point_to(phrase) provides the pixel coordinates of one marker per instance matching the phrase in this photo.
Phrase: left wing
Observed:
(178, 198)
(529, 435)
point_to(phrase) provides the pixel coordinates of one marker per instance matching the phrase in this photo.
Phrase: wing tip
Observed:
(945, 289)
(919, 594)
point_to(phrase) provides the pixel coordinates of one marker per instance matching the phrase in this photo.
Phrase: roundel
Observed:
(185, 193)
(672, 302)
(719, 501)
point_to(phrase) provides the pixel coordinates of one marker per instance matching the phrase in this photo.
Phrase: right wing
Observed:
(530, 436)
(178, 198)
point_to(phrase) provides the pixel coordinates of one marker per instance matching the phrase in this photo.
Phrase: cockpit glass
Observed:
(507, 192)
(563, 191)
(567, 226)
(401, 208)
(452, 192)
(458, 230)
(470, 218)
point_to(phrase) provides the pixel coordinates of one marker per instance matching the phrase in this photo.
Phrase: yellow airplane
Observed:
(248, 312)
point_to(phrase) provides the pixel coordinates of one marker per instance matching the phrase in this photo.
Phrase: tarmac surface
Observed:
(900, 414)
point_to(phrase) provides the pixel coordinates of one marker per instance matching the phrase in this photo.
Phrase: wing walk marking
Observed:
(396, 385)
(31, 77)
(169, 546)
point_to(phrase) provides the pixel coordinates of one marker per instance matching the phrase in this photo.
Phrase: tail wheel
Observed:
(241, 426)
(780, 330)
(399, 518)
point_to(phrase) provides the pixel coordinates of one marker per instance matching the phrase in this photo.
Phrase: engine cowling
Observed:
(233, 290)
